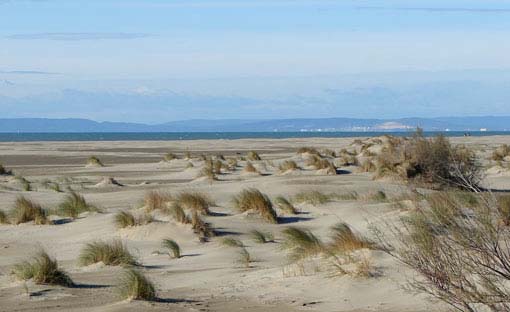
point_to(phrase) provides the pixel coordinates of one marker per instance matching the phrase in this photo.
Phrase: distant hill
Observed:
(490, 123)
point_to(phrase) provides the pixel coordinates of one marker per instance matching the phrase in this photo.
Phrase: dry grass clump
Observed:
(432, 161)
(501, 152)
(73, 205)
(200, 227)
(328, 153)
(253, 199)
(231, 164)
(194, 201)
(177, 213)
(253, 156)
(288, 165)
(377, 196)
(189, 165)
(94, 161)
(155, 200)
(250, 168)
(232, 242)
(133, 285)
(320, 163)
(25, 210)
(343, 239)
(283, 204)
(4, 171)
(261, 237)
(169, 157)
(308, 150)
(172, 246)
(125, 219)
(42, 269)
(311, 197)
(110, 253)
(301, 243)
(208, 172)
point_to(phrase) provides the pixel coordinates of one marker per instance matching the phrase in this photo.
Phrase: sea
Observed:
(173, 136)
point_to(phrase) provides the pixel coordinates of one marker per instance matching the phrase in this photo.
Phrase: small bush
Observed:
(26, 210)
(344, 239)
(253, 199)
(283, 204)
(300, 243)
(253, 156)
(94, 161)
(133, 285)
(231, 242)
(155, 200)
(43, 270)
(74, 204)
(501, 152)
(312, 197)
(194, 201)
(261, 237)
(172, 246)
(504, 209)
(110, 253)
(288, 165)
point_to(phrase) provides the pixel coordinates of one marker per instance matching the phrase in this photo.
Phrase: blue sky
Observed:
(154, 61)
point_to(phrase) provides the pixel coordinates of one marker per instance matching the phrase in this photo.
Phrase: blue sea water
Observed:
(171, 136)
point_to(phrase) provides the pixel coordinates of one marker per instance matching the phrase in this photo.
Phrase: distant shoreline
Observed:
(178, 136)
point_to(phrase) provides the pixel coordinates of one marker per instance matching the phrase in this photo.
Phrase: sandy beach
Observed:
(208, 276)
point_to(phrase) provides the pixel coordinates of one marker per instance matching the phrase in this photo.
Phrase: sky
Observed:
(154, 61)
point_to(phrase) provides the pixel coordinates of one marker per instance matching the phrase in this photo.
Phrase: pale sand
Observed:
(207, 278)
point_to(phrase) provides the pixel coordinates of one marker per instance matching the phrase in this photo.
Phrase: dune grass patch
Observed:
(314, 197)
(194, 201)
(42, 269)
(94, 161)
(300, 243)
(261, 237)
(74, 204)
(285, 205)
(155, 200)
(253, 199)
(172, 247)
(113, 253)
(133, 285)
(25, 210)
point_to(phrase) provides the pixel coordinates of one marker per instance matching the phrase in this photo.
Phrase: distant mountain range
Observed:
(488, 123)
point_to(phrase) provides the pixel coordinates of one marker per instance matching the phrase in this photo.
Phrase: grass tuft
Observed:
(25, 210)
(124, 219)
(194, 201)
(301, 243)
(110, 253)
(200, 227)
(253, 199)
(176, 211)
(344, 239)
(250, 168)
(94, 161)
(232, 242)
(156, 200)
(253, 156)
(73, 205)
(3, 217)
(284, 204)
(261, 237)
(169, 157)
(172, 245)
(4, 171)
(42, 269)
(311, 197)
(133, 285)
(244, 258)
(288, 165)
